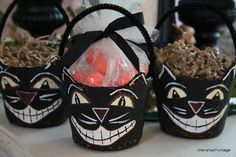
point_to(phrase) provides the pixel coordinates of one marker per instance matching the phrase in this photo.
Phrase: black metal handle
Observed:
(11, 7)
(118, 9)
(200, 5)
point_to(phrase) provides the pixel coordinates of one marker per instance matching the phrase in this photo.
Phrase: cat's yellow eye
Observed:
(46, 83)
(8, 82)
(123, 101)
(176, 93)
(78, 98)
(216, 94)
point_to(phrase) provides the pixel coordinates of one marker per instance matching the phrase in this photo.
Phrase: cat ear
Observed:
(140, 82)
(51, 61)
(66, 76)
(138, 79)
(166, 73)
(140, 86)
(229, 76)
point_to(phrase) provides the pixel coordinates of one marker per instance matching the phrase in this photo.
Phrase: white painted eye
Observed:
(123, 101)
(176, 93)
(78, 98)
(8, 82)
(216, 94)
(46, 83)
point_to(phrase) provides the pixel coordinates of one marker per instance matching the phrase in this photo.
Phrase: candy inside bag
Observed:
(105, 65)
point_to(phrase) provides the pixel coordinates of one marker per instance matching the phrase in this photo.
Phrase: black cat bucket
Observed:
(33, 96)
(105, 118)
(193, 107)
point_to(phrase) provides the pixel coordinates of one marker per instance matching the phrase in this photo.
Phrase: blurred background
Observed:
(149, 7)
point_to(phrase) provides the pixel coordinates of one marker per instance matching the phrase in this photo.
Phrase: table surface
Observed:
(57, 141)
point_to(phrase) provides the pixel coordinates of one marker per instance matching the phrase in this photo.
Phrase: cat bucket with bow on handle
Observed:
(105, 117)
(193, 107)
(33, 96)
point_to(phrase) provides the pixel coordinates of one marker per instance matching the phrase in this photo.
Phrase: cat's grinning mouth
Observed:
(195, 124)
(30, 115)
(102, 136)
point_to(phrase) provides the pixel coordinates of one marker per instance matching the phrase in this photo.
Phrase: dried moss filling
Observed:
(185, 59)
(27, 51)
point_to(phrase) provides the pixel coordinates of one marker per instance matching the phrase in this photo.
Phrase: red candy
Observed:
(100, 64)
(97, 61)
(96, 70)
(94, 79)
(78, 76)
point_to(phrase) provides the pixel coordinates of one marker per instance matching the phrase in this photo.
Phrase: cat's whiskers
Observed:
(184, 113)
(14, 101)
(208, 109)
(117, 118)
(180, 109)
(13, 97)
(87, 122)
(120, 122)
(212, 112)
(47, 97)
(94, 120)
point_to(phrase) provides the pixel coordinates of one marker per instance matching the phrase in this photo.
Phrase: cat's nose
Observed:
(100, 113)
(26, 97)
(196, 105)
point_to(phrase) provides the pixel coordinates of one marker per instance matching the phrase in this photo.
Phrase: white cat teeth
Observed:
(102, 136)
(195, 124)
(30, 115)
